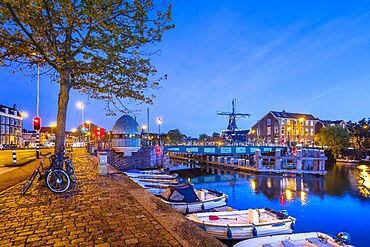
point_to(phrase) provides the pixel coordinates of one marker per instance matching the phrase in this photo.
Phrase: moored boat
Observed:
(147, 175)
(155, 180)
(298, 239)
(347, 160)
(243, 224)
(185, 199)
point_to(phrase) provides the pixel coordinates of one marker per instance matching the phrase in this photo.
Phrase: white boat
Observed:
(154, 188)
(147, 175)
(347, 160)
(243, 224)
(298, 239)
(155, 180)
(185, 199)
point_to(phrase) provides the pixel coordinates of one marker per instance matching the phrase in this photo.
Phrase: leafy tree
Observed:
(175, 136)
(360, 134)
(334, 137)
(98, 47)
(215, 134)
(203, 137)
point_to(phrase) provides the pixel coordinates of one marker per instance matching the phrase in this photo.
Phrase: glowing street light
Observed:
(52, 125)
(88, 133)
(159, 122)
(81, 105)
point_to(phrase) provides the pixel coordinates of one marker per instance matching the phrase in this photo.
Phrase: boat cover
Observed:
(180, 193)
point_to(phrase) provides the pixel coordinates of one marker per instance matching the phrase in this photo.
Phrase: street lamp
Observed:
(159, 122)
(143, 135)
(52, 125)
(301, 133)
(81, 105)
(288, 129)
(23, 116)
(89, 134)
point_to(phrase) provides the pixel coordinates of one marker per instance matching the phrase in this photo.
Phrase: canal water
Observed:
(336, 202)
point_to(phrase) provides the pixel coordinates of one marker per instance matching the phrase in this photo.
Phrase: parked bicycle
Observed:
(58, 176)
(61, 174)
(40, 170)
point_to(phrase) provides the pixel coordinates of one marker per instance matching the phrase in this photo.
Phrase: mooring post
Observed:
(14, 157)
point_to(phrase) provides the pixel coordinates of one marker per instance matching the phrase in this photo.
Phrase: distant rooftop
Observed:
(284, 114)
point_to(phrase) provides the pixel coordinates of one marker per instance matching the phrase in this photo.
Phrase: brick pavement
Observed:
(99, 211)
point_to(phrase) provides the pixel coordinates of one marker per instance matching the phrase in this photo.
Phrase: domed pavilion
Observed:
(126, 135)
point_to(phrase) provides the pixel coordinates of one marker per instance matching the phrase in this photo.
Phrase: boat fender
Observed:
(187, 210)
(203, 207)
(254, 231)
(343, 237)
(229, 233)
(292, 226)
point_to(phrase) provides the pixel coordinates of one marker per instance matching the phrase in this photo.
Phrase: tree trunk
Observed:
(63, 99)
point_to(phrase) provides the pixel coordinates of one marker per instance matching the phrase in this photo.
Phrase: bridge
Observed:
(221, 150)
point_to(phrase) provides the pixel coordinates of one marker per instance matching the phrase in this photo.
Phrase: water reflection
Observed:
(339, 181)
(363, 180)
(338, 201)
(283, 188)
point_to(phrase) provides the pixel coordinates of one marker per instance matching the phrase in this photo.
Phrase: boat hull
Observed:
(241, 229)
(186, 208)
(297, 239)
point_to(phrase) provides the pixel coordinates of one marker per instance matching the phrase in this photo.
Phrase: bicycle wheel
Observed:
(70, 169)
(58, 181)
(28, 183)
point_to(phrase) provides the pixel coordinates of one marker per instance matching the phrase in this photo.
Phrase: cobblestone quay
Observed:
(99, 211)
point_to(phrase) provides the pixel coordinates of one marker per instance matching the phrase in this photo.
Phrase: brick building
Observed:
(283, 128)
(10, 125)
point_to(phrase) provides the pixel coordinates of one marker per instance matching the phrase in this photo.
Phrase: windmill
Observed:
(232, 117)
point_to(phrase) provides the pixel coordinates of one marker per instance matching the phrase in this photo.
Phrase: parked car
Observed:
(9, 146)
(49, 144)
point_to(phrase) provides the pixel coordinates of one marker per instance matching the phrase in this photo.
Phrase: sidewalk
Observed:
(99, 211)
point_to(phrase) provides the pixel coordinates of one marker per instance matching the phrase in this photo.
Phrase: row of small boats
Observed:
(257, 227)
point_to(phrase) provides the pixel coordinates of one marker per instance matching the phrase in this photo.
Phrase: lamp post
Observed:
(81, 105)
(89, 134)
(302, 134)
(24, 115)
(143, 135)
(159, 122)
(37, 105)
(288, 130)
(52, 125)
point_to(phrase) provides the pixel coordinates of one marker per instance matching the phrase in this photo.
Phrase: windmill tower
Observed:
(232, 117)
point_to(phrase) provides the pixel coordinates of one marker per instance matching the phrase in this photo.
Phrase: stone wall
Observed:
(143, 159)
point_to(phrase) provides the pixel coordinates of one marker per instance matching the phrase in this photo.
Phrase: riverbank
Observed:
(99, 211)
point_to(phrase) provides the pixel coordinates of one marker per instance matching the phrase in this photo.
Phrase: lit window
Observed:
(268, 130)
(288, 121)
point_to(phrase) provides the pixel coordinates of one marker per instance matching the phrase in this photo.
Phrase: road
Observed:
(23, 155)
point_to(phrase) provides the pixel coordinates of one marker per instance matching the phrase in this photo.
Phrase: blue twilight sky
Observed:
(298, 56)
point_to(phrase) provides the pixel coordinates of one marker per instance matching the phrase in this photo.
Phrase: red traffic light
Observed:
(99, 132)
(157, 150)
(36, 123)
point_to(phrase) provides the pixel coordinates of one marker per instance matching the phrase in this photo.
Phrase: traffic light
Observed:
(36, 123)
(83, 127)
(99, 132)
(157, 150)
